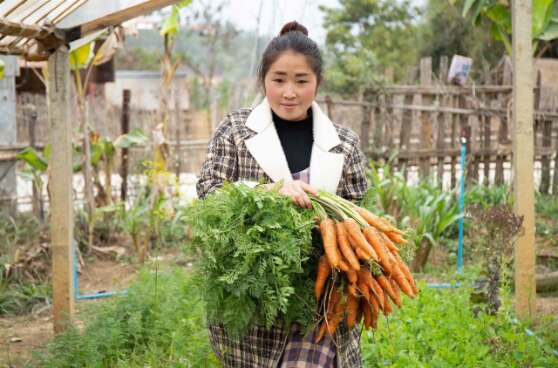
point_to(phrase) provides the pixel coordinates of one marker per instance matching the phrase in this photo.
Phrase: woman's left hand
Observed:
(297, 190)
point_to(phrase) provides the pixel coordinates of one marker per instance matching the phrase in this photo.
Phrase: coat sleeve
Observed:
(354, 176)
(220, 163)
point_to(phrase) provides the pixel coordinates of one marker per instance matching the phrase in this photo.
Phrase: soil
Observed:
(20, 335)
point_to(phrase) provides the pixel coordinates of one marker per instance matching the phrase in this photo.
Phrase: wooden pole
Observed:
(523, 156)
(60, 187)
(426, 125)
(125, 127)
(8, 133)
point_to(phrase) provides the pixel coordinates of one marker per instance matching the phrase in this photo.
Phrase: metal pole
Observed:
(461, 204)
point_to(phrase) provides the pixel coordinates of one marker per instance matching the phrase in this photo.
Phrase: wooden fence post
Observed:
(407, 120)
(454, 141)
(443, 100)
(365, 124)
(503, 139)
(60, 187)
(546, 140)
(426, 125)
(125, 129)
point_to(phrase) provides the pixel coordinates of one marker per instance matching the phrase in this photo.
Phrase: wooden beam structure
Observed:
(117, 18)
(36, 42)
(523, 155)
(60, 187)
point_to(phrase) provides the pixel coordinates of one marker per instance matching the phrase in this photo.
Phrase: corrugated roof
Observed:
(34, 28)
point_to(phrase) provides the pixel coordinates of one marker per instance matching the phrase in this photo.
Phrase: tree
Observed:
(217, 37)
(364, 37)
(446, 32)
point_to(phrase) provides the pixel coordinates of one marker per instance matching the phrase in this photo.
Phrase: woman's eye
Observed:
(278, 80)
(302, 81)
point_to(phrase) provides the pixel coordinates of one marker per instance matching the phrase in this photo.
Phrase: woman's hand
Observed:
(297, 190)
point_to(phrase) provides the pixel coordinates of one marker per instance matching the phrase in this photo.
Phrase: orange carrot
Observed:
(329, 239)
(324, 271)
(375, 303)
(373, 220)
(351, 310)
(367, 314)
(389, 243)
(377, 290)
(334, 318)
(363, 288)
(396, 290)
(388, 225)
(374, 237)
(358, 238)
(388, 308)
(374, 321)
(343, 266)
(352, 289)
(384, 283)
(345, 246)
(351, 275)
(399, 278)
(396, 238)
(406, 272)
(363, 255)
(359, 312)
(321, 332)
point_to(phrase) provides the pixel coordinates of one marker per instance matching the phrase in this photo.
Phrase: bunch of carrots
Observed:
(362, 247)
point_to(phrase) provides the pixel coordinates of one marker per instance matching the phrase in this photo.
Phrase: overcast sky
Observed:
(275, 13)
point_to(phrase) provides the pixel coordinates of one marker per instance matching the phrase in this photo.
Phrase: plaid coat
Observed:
(246, 147)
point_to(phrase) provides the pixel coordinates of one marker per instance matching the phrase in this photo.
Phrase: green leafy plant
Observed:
(544, 20)
(438, 330)
(158, 323)
(255, 257)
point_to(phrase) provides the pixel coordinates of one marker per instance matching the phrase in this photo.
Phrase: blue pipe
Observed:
(444, 285)
(461, 205)
(89, 296)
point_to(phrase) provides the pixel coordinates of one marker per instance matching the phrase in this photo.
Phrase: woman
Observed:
(286, 138)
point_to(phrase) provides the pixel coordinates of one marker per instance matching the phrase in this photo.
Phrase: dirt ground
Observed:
(19, 336)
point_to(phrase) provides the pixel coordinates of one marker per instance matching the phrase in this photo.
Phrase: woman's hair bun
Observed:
(292, 27)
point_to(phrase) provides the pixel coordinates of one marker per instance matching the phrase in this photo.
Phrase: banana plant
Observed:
(544, 20)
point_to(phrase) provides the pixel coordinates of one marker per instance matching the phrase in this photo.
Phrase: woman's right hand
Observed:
(297, 190)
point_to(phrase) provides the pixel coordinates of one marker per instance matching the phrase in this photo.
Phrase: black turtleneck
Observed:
(296, 139)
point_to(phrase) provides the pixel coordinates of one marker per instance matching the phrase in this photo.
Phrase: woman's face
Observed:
(290, 86)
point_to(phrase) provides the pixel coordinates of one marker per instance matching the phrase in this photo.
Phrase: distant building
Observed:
(145, 87)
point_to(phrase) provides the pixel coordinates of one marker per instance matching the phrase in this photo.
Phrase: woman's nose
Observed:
(289, 92)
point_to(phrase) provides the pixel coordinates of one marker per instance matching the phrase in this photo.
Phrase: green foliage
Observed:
(437, 329)
(365, 37)
(544, 20)
(20, 292)
(256, 256)
(158, 323)
(546, 209)
(488, 196)
(20, 298)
